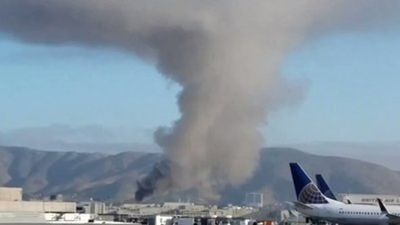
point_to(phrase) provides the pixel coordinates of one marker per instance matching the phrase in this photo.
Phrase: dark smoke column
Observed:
(148, 184)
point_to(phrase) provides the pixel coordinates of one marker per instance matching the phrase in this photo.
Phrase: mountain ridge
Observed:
(112, 177)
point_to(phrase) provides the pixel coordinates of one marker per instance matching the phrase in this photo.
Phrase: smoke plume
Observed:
(148, 184)
(225, 54)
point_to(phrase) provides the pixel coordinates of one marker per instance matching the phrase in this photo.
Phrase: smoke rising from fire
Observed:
(225, 54)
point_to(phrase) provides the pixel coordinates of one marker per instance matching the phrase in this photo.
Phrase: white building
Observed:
(11, 202)
(369, 199)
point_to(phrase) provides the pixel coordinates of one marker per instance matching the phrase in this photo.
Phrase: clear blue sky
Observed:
(353, 94)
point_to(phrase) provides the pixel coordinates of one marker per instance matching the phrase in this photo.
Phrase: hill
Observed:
(80, 176)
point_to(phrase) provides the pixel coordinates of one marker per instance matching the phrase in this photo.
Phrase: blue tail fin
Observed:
(306, 191)
(323, 186)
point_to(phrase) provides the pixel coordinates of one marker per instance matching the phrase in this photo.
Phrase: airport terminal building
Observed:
(369, 199)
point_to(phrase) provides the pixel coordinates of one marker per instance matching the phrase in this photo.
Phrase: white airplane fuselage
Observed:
(312, 203)
(341, 213)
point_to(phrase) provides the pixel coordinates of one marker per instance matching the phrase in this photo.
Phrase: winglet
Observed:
(382, 206)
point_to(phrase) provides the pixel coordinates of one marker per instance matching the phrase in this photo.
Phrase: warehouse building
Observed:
(10, 194)
(11, 202)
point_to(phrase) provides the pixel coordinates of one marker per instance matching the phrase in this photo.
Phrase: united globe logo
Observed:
(311, 195)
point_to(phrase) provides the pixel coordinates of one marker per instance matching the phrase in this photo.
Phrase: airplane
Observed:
(312, 203)
(324, 187)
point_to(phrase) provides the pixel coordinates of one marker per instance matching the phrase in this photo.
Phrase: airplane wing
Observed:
(393, 219)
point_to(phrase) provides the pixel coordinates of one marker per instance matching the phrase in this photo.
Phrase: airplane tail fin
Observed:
(306, 191)
(324, 187)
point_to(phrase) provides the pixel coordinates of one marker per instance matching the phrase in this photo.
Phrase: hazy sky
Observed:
(353, 92)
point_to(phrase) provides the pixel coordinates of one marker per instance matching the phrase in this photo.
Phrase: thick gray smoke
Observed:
(225, 54)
